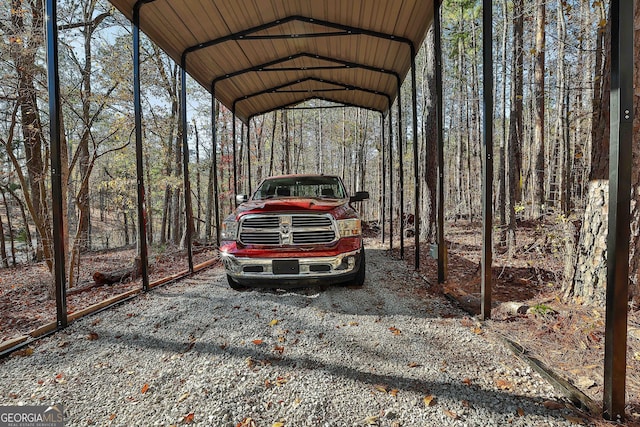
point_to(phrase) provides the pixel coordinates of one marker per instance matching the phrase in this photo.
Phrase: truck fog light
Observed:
(351, 261)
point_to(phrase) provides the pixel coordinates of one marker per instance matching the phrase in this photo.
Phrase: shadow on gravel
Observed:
(476, 396)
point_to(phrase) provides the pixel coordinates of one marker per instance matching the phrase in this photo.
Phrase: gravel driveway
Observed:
(386, 354)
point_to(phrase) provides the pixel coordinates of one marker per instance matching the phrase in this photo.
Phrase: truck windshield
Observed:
(320, 187)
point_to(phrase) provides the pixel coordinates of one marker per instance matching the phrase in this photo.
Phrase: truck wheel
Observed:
(235, 285)
(360, 275)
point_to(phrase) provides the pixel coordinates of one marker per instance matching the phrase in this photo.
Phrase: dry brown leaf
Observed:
(24, 352)
(112, 417)
(395, 331)
(279, 349)
(257, 342)
(451, 414)
(277, 424)
(353, 324)
(281, 381)
(550, 404)
(274, 322)
(478, 330)
(188, 419)
(92, 336)
(466, 404)
(394, 392)
(380, 388)
(145, 388)
(504, 384)
(183, 397)
(413, 365)
(247, 422)
(429, 400)
(520, 412)
(466, 381)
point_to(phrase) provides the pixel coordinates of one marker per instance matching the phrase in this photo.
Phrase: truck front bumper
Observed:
(297, 271)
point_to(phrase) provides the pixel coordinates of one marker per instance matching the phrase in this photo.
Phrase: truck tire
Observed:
(235, 285)
(360, 275)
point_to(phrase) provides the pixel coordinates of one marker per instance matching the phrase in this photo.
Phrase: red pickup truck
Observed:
(295, 230)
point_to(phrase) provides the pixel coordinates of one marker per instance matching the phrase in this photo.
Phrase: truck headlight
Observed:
(349, 227)
(229, 230)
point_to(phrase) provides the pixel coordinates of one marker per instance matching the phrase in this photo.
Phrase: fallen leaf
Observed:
(466, 381)
(550, 404)
(380, 388)
(279, 349)
(274, 322)
(371, 420)
(188, 419)
(478, 330)
(112, 417)
(451, 414)
(394, 392)
(145, 388)
(183, 397)
(277, 424)
(466, 404)
(429, 400)
(281, 381)
(24, 352)
(413, 365)
(520, 412)
(247, 422)
(503, 384)
(92, 336)
(353, 324)
(395, 330)
(257, 342)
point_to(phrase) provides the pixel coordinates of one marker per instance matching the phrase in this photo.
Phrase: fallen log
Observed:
(118, 276)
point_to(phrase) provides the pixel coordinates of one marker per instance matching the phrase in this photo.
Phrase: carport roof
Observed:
(262, 55)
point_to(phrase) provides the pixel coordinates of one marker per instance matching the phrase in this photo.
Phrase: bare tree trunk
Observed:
(588, 283)
(515, 126)
(273, 143)
(537, 204)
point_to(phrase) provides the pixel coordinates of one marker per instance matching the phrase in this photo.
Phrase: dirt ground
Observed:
(565, 336)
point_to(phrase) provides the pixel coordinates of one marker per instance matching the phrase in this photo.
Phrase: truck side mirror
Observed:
(359, 196)
(241, 198)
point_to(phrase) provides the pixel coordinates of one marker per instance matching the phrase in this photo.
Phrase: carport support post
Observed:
(487, 170)
(188, 209)
(400, 170)
(214, 161)
(53, 80)
(137, 105)
(235, 167)
(391, 180)
(416, 177)
(383, 185)
(620, 158)
(249, 155)
(442, 249)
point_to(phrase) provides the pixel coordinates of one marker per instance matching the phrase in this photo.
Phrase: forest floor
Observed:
(565, 336)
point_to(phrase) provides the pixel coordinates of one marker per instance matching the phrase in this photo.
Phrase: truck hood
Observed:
(294, 205)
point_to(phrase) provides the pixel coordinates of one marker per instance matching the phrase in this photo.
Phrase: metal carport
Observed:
(256, 56)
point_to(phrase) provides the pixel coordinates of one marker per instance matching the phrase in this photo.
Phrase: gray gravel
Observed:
(196, 351)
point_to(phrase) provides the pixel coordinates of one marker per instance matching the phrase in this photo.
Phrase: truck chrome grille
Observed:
(296, 229)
